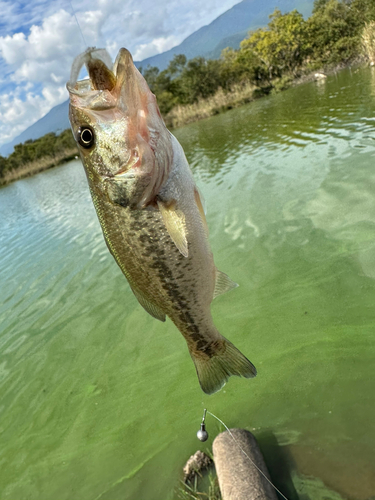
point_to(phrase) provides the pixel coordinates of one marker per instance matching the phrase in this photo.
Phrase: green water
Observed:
(100, 401)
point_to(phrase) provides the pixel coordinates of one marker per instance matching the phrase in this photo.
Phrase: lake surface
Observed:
(98, 400)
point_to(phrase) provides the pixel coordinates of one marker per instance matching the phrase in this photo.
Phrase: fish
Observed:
(149, 208)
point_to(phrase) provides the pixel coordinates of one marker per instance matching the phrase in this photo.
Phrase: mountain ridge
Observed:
(242, 17)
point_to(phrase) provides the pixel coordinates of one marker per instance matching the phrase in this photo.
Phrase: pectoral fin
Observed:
(174, 221)
(152, 309)
(223, 284)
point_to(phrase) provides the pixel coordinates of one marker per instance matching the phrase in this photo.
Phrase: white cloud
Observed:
(12, 48)
(18, 111)
(156, 46)
(50, 48)
(44, 57)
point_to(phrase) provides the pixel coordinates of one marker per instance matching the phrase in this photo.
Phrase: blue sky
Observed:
(39, 40)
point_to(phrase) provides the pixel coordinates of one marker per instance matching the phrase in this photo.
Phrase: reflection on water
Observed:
(100, 401)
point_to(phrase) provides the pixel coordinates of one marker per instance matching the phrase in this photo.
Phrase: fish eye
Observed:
(86, 137)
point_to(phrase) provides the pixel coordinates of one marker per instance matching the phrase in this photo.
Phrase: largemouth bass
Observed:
(150, 209)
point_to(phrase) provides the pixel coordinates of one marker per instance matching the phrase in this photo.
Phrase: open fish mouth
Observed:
(106, 81)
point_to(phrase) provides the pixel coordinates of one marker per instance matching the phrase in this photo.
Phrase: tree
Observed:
(334, 31)
(3, 166)
(318, 4)
(364, 10)
(166, 84)
(282, 47)
(177, 65)
(151, 74)
(242, 65)
(200, 78)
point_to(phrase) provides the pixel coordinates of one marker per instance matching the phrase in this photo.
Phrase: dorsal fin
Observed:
(223, 283)
(198, 200)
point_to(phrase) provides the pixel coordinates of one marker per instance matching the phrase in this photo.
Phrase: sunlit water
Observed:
(101, 401)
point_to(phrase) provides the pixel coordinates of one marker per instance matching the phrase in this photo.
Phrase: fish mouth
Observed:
(106, 81)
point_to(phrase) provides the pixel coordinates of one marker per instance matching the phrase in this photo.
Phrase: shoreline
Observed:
(37, 166)
(179, 116)
(242, 94)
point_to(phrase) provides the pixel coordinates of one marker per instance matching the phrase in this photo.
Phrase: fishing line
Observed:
(79, 27)
(203, 436)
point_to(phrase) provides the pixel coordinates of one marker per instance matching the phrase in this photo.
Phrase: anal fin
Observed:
(151, 308)
(223, 283)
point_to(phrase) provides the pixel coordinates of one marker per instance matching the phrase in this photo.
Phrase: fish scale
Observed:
(150, 210)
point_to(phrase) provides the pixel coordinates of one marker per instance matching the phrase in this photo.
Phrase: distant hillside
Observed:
(56, 121)
(226, 30)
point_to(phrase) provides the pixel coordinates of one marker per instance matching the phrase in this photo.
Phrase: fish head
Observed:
(117, 124)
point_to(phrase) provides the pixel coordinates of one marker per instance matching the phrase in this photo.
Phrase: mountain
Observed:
(226, 30)
(231, 26)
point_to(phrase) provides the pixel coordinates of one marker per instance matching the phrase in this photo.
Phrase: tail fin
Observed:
(214, 370)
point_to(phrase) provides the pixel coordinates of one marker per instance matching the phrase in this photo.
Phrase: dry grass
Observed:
(220, 101)
(37, 166)
(191, 491)
(368, 41)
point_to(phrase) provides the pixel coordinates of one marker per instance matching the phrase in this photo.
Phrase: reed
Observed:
(196, 491)
(368, 41)
(36, 166)
(220, 101)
